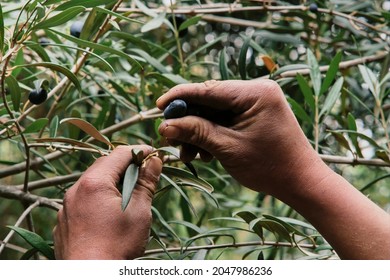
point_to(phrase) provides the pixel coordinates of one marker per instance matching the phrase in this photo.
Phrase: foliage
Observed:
(102, 86)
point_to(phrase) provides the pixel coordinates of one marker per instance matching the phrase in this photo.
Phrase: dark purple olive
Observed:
(313, 8)
(176, 109)
(43, 42)
(76, 28)
(37, 97)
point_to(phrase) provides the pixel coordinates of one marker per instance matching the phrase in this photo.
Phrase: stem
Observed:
(18, 222)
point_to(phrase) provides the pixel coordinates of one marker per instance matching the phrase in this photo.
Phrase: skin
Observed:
(263, 147)
(91, 224)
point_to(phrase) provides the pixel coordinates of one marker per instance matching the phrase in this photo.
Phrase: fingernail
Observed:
(170, 131)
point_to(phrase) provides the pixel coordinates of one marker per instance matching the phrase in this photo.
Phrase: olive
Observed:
(75, 28)
(313, 8)
(176, 109)
(37, 96)
(44, 42)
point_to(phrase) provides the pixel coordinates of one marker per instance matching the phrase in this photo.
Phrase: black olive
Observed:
(176, 109)
(37, 97)
(313, 8)
(75, 28)
(44, 42)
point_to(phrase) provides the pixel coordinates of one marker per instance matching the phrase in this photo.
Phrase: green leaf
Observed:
(19, 59)
(188, 177)
(154, 23)
(36, 126)
(54, 127)
(2, 30)
(361, 135)
(242, 58)
(191, 21)
(289, 227)
(60, 18)
(99, 47)
(293, 67)
(352, 126)
(223, 67)
(36, 241)
(331, 73)
(88, 128)
(275, 227)
(383, 155)
(370, 79)
(332, 97)
(248, 217)
(15, 91)
(315, 73)
(341, 140)
(205, 47)
(129, 183)
(72, 77)
(84, 3)
(299, 111)
(307, 92)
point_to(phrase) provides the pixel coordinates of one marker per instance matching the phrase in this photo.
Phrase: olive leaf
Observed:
(129, 182)
(36, 241)
(131, 176)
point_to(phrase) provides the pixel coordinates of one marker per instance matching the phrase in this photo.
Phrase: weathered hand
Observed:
(91, 224)
(256, 138)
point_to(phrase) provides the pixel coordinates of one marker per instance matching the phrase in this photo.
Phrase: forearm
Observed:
(354, 226)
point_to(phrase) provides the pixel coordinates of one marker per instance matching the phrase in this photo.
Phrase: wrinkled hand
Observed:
(91, 224)
(256, 138)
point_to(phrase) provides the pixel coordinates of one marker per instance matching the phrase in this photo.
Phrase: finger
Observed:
(111, 168)
(148, 178)
(199, 132)
(205, 156)
(221, 95)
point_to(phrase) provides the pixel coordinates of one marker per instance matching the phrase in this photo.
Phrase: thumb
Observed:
(148, 178)
(199, 132)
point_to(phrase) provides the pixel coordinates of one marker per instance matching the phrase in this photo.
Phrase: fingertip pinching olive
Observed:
(37, 97)
(76, 28)
(313, 8)
(176, 109)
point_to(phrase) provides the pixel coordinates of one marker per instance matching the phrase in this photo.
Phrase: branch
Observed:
(229, 245)
(12, 193)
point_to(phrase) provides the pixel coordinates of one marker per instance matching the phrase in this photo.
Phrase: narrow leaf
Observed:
(129, 183)
(341, 140)
(60, 18)
(352, 126)
(370, 79)
(154, 23)
(191, 21)
(299, 112)
(2, 32)
(84, 3)
(275, 227)
(88, 128)
(315, 73)
(331, 73)
(306, 91)
(54, 126)
(248, 217)
(36, 241)
(96, 46)
(15, 91)
(36, 126)
(223, 67)
(72, 77)
(332, 97)
(242, 58)
(186, 176)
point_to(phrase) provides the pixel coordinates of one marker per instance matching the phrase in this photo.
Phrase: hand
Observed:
(259, 139)
(91, 224)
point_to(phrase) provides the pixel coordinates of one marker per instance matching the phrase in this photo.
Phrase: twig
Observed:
(228, 245)
(18, 222)
(12, 193)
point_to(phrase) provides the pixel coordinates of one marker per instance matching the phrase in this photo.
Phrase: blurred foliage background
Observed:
(330, 57)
